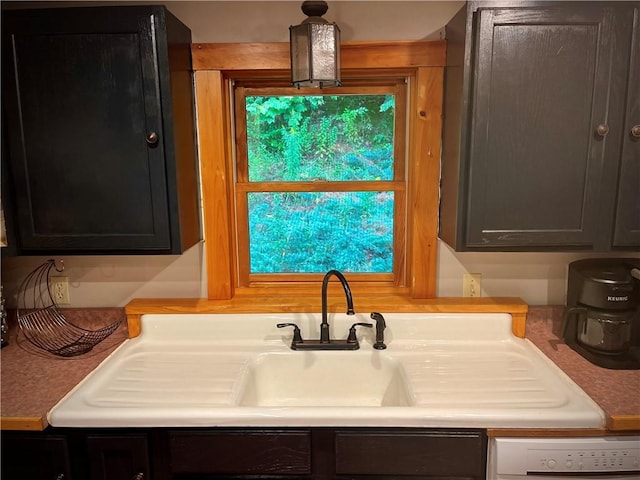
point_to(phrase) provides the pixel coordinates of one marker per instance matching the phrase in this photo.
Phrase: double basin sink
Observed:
(458, 370)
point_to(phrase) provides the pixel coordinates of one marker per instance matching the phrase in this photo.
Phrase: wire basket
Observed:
(47, 328)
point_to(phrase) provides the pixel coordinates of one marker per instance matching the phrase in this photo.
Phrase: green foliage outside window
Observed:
(332, 138)
(320, 138)
(315, 232)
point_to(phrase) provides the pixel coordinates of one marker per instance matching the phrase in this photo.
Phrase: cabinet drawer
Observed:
(446, 454)
(241, 452)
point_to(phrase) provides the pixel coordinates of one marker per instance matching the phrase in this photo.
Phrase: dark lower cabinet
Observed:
(326, 453)
(422, 453)
(116, 457)
(245, 453)
(35, 457)
(241, 452)
(68, 454)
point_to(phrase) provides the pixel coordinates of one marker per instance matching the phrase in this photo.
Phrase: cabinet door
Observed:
(241, 452)
(35, 457)
(116, 457)
(545, 80)
(627, 227)
(9, 247)
(426, 453)
(82, 94)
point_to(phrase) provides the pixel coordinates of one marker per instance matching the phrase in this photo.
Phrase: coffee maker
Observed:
(602, 315)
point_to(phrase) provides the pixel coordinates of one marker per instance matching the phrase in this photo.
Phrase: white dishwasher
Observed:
(562, 458)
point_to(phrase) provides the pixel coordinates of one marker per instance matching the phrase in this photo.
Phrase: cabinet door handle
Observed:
(152, 138)
(635, 131)
(602, 129)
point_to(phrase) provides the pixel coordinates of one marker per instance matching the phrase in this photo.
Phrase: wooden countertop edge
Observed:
(622, 423)
(23, 423)
(264, 303)
(547, 432)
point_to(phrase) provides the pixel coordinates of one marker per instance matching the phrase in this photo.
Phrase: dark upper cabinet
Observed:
(100, 130)
(540, 100)
(627, 220)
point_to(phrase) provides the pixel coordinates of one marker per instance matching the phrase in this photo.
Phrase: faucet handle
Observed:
(297, 337)
(352, 331)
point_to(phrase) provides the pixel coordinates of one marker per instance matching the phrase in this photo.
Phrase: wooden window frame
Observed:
(216, 65)
(376, 85)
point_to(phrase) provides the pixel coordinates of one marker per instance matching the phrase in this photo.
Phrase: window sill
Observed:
(274, 303)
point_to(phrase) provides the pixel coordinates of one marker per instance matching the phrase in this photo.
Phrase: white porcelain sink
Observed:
(324, 379)
(439, 370)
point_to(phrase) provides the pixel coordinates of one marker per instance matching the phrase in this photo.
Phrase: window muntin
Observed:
(310, 186)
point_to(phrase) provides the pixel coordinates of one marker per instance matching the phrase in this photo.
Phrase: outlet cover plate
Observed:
(472, 285)
(60, 290)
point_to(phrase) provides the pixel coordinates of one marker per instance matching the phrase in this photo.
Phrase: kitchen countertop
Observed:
(33, 382)
(617, 392)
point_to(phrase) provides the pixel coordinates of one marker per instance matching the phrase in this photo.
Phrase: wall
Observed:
(114, 280)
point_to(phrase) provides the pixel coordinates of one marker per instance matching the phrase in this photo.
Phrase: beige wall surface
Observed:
(100, 281)
(269, 21)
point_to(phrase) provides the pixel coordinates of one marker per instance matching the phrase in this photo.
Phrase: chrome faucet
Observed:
(324, 326)
(325, 342)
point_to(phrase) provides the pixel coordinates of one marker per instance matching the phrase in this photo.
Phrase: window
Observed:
(378, 68)
(320, 179)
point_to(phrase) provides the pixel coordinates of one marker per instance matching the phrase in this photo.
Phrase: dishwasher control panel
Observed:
(559, 456)
(580, 460)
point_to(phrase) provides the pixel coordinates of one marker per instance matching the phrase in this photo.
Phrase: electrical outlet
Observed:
(471, 284)
(60, 290)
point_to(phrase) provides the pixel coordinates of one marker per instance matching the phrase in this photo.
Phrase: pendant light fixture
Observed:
(315, 49)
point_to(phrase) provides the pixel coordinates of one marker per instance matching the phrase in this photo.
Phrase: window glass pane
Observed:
(330, 138)
(313, 232)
